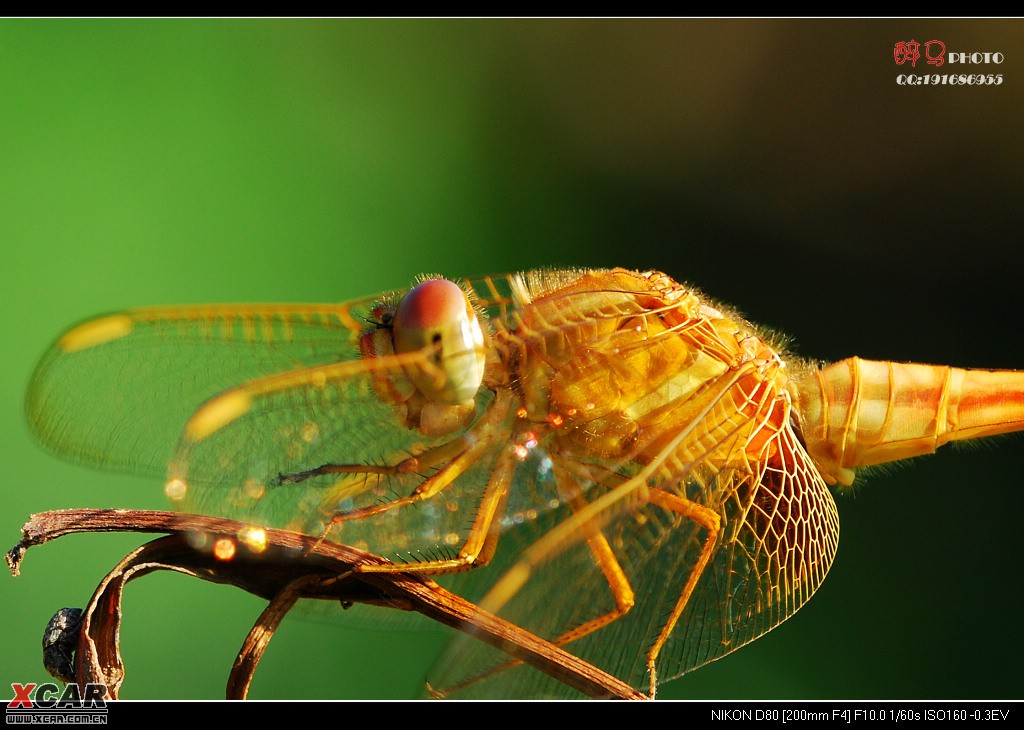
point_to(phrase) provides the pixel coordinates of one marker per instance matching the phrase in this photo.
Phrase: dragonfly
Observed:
(607, 458)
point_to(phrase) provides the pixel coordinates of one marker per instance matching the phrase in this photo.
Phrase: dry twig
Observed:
(282, 569)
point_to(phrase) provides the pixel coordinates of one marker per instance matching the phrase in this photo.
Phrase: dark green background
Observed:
(774, 164)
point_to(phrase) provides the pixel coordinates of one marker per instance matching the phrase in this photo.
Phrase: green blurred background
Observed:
(774, 164)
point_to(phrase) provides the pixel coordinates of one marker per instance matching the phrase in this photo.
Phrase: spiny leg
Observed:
(606, 561)
(603, 554)
(427, 460)
(455, 458)
(709, 520)
(704, 516)
(450, 459)
(450, 463)
(480, 544)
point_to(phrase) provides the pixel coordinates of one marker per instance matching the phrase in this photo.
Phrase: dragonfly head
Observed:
(436, 315)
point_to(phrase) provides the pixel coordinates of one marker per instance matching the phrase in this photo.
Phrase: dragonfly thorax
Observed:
(619, 360)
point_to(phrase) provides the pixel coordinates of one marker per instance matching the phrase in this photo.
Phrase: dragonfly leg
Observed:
(482, 541)
(427, 460)
(603, 554)
(454, 459)
(606, 561)
(301, 476)
(708, 519)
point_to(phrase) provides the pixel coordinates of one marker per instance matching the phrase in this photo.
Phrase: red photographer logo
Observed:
(934, 53)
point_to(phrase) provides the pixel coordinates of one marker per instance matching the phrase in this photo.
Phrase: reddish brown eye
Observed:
(437, 314)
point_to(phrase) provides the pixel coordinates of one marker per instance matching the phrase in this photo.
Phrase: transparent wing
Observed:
(288, 391)
(329, 425)
(115, 392)
(301, 448)
(777, 539)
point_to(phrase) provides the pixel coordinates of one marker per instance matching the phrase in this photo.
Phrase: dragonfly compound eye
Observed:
(436, 316)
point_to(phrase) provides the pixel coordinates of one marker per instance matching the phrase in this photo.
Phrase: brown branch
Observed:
(259, 637)
(287, 567)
